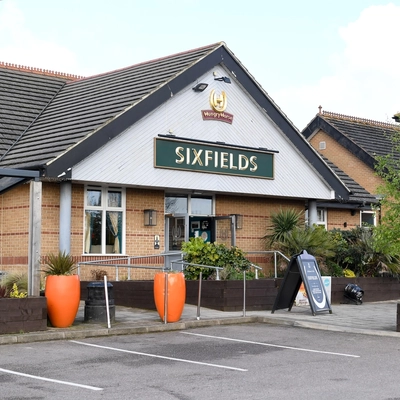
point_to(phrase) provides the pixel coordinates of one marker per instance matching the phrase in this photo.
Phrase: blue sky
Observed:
(340, 54)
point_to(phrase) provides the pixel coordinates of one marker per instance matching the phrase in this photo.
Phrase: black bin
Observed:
(95, 304)
(354, 293)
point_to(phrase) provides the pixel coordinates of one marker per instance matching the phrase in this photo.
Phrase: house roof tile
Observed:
(72, 119)
(23, 95)
(83, 106)
(365, 138)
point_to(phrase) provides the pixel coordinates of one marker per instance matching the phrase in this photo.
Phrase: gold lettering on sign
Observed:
(218, 159)
(180, 155)
(218, 102)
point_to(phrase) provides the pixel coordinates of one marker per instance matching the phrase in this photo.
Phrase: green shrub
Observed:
(357, 251)
(232, 260)
(9, 280)
(59, 264)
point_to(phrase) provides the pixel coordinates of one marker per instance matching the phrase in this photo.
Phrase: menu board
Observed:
(302, 268)
(313, 284)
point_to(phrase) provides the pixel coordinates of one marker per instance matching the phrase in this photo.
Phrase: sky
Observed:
(340, 54)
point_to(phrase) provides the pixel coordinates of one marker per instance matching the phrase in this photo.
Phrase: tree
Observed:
(388, 168)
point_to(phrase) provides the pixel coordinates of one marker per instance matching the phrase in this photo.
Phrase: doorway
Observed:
(181, 227)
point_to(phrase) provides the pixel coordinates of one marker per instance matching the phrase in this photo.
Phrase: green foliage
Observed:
(360, 250)
(9, 280)
(357, 250)
(315, 240)
(232, 260)
(282, 223)
(387, 234)
(59, 264)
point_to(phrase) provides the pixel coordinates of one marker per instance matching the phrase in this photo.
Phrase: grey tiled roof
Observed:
(23, 95)
(86, 114)
(84, 106)
(372, 136)
(358, 193)
(365, 138)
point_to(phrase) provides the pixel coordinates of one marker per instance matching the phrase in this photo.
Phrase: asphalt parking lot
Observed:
(250, 361)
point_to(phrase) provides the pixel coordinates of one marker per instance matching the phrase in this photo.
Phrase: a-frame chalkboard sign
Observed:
(302, 267)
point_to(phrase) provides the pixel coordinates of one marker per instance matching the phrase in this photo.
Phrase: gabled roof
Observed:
(86, 114)
(23, 96)
(358, 196)
(364, 138)
(95, 104)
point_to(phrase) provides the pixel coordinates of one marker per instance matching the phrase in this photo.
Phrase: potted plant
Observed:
(174, 283)
(62, 289)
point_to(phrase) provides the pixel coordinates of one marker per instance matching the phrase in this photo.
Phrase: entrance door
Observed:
(176, 226)
(176, 233)
(224, 230)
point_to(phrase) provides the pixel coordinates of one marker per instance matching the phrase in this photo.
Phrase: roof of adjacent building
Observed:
(358, 195)
(364, 138)
(55, 120)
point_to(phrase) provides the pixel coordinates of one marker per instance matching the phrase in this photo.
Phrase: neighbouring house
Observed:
(351, 144)
(133, 162)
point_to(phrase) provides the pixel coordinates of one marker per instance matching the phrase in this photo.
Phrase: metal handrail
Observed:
(129, 259)
(129, 265)
(184, 263)
(275, 252)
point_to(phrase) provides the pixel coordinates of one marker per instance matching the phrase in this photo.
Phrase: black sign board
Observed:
(302, 267)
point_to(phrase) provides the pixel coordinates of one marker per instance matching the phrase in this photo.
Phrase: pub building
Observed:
(133, 162)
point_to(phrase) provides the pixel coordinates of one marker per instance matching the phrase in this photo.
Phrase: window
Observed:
(104, 220)
(321, 217)
(194, 205)
(368, 218)
(176, 204)
(201, 206)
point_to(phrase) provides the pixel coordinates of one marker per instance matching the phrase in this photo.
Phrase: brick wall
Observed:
(14, 220)
(347, 162)
(337, 218)
(14, 226)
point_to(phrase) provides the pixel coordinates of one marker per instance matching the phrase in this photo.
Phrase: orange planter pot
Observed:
(176, 295)
(63, 296)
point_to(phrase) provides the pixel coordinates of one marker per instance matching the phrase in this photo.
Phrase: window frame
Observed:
(367, 212)
(104, 208)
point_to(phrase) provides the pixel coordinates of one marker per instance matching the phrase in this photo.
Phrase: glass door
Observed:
(224, 230)
(176, 228)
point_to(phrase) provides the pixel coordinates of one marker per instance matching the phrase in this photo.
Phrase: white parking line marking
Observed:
(272, 345)
(50, 380)
(163, 357)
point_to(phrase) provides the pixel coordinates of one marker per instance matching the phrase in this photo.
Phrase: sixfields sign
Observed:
(212, 158)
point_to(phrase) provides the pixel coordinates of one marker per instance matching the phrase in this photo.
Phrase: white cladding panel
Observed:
(128, 159)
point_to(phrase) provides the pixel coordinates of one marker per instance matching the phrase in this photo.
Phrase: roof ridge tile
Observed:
(39, 71)
(329, 114)
(210, 46)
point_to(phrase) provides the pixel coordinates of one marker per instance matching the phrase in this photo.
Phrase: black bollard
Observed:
(95, 304)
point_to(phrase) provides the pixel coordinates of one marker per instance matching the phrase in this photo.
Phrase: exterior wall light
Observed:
(223, 79)
(150, 217)
(238, 221)
(200, 87)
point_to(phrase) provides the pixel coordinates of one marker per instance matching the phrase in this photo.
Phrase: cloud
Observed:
(20, 46)
(365, 81)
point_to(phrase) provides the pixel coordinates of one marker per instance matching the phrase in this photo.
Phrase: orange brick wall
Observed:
(347, 162)
(337, 218)
(14, 229)
(14, 219)
(256, 216)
